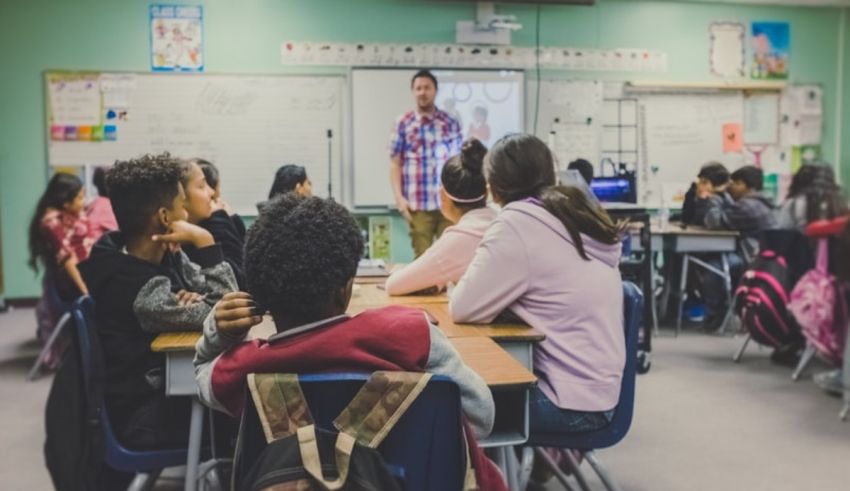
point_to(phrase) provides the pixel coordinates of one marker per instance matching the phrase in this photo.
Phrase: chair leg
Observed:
(740, 352)
(526, 464)
(35, 371)
(553, 466)
(575, 467)
(144, 482)
(683, 283)
(845, 411)
(603, 473)
(804, 362)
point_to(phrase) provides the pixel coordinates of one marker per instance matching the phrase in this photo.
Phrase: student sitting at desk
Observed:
(713, 178)
(142, 287)
(463, 201)
(742, 208)
(813, 195)
(289, 178)
(205, 211)
(301, 257)
(551, 258)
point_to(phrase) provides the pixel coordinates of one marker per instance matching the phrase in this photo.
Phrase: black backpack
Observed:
(761, 299)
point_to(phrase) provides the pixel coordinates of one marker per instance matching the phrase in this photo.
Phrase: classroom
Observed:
(425, 244)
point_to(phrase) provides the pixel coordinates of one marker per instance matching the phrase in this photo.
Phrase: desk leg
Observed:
(683, 285)
(511, 468)
(727, 283)
(194, 453)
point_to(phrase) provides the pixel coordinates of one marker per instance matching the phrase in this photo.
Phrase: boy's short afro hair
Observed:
(299, 253)
(139, 187)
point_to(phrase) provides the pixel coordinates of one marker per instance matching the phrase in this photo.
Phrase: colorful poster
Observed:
(74, 100)
(177, 42)
(771, 50)
(379, 237)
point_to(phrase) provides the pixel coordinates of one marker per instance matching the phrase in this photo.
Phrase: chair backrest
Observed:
(92, 368)
(622, 421)
(426, 444)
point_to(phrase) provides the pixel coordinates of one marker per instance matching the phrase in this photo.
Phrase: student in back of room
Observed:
(463, 201)
(813, 195)
(143, 285)
(289, 178)
(99, 211)
(584, 168)
(60, 237)
(551, 258)
(301, 257)
(205, 211)
(713, 178)
(213, 177)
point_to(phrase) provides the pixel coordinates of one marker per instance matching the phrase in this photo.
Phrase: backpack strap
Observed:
(378, 405)
(312, 462)
(823, 255)
(280, 404)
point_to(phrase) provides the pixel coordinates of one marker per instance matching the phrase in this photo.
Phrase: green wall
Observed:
(245, 37)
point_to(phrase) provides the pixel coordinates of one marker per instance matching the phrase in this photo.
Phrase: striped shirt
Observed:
(424, 143)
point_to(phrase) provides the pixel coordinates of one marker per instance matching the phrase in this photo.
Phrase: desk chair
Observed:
(147, 464)
(426, 446)
(588, 442)
(54, 302)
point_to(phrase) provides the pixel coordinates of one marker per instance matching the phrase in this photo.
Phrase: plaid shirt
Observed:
(425, 143)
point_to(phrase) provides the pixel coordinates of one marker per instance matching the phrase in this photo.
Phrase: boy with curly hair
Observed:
(143, 285)
(301, 257)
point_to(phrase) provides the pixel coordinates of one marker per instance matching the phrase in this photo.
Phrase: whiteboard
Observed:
(380, 97)
(680, 133)
(246, 125)
(568, 118)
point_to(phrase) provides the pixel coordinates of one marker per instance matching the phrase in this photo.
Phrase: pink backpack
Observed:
(817, 302)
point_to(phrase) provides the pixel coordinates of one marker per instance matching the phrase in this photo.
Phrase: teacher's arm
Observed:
(395, 181)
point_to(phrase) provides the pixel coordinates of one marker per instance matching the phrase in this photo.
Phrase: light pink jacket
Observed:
(527, 263)
(447, 259)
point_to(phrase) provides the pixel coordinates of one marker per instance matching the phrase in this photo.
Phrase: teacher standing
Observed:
(422, 141)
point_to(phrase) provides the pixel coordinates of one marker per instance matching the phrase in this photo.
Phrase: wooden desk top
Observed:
(676, 228)
(495, 365)
(370, 295)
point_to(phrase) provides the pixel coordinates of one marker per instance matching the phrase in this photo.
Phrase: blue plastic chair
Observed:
(610, 435)
(146, 464)
(425, 448)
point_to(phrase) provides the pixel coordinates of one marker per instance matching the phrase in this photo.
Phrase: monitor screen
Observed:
(618, 189)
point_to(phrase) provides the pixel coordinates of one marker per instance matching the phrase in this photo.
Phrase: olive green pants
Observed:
(425, 227)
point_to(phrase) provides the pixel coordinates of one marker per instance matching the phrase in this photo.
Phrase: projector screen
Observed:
(488, 104)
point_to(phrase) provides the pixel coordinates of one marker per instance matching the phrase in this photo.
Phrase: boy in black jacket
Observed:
(143, 285)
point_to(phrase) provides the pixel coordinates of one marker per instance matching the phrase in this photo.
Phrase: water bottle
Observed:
(663, 216)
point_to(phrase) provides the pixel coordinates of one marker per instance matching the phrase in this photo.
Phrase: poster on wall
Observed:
(726, 55)
(771, 50)
(176, 38)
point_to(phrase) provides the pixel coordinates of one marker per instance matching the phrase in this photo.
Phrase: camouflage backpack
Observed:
(300, 456)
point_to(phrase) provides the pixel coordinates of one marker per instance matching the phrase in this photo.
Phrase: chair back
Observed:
(618, 428)
(91, 363)
(425, 448)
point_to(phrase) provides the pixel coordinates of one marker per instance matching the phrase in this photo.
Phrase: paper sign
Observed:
(732, 138)
(74, 102)
(177, 37)
(727, 49)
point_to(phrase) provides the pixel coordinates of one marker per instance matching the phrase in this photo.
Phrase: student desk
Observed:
(687, 241)
(516, 339)
(508, 379)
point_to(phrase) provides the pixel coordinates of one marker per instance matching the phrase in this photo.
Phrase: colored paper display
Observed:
(733, 141)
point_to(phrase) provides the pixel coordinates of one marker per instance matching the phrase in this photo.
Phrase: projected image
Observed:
(486, 107)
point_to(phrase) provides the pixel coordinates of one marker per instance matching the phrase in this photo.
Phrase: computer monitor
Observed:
(616, 189)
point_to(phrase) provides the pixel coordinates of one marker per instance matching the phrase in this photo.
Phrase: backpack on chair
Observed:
(299, 455)
(817, 303)
(761, 298)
